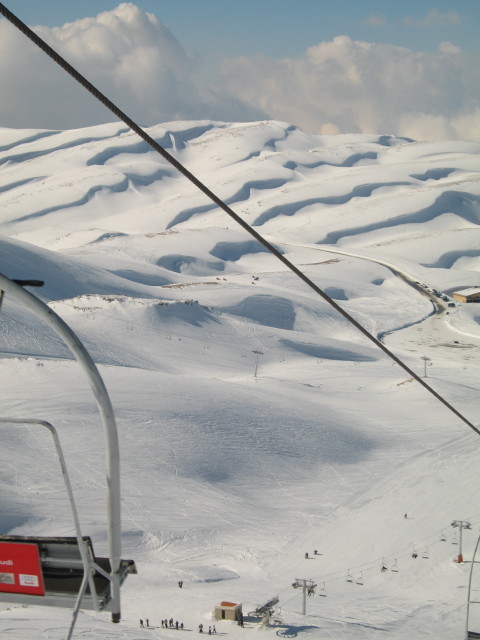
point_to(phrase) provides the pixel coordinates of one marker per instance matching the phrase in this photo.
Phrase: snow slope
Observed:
(255, 423)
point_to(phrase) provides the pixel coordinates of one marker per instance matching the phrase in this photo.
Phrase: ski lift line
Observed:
(339, 576)
(405, 553)
(12, 18)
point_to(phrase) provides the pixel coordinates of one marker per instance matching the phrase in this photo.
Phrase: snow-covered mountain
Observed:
(256, 424)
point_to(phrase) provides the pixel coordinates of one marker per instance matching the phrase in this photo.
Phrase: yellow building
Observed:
(467, 295)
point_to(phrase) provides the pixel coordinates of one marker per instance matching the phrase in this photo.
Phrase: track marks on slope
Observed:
(169, 140)
(241, 195)
(20, 183)
(347, 163)
(121, 186)
(38, 135)
(464, 205)
(291, 208)
(68, 144)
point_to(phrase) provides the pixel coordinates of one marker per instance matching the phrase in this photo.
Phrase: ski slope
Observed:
(255, 423)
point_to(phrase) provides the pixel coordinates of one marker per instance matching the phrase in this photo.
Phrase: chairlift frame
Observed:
(469, 634)
(87, 564)
(112, 454)
(69, 567)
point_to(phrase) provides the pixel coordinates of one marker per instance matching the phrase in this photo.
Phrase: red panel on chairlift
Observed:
(20, 568)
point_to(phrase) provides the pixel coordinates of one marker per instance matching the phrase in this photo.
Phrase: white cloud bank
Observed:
(347, 86)
(338, 86)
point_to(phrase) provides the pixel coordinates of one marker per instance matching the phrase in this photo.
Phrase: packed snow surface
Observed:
(256, 424)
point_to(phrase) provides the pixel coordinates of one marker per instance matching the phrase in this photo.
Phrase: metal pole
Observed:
(460, 555)
(112, 454)
(425, 360)
(257, 353)
(304, 610)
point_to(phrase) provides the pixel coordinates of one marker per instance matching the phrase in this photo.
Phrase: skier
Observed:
(180, 583)
(306, 555)
(141, 623)
(200, 628)
(147, 622)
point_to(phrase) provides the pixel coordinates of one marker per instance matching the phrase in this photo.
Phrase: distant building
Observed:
(467, 295)
(229, 611)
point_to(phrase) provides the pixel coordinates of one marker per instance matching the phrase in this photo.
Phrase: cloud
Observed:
(336, 86)
(129, 55)
(365, 87)
(434, 18)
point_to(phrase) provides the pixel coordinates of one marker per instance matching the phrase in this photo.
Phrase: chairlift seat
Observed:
(62, 572)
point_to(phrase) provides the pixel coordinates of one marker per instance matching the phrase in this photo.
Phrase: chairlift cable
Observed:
(336, 576)
(21, 26)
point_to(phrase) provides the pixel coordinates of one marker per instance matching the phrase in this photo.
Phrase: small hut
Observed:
(229, 611)
(467, 295)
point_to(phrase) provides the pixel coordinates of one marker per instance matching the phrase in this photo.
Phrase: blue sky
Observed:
(409, 68)
(284, 28)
